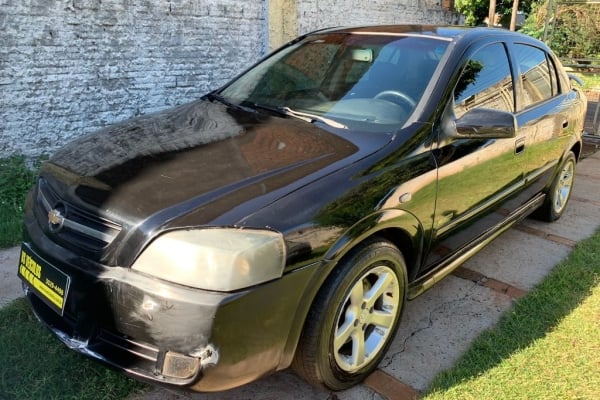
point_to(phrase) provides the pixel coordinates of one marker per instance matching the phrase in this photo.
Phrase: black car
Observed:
(285, 219)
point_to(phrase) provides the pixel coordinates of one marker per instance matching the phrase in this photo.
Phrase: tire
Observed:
(560, 191)
(353, 318)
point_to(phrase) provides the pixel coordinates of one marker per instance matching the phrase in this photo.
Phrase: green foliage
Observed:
(590, 80)
(16, 178)
(476, 11)
(573, 31)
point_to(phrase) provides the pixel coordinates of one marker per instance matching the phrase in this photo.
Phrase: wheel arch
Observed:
(576, 149)
(399, 227)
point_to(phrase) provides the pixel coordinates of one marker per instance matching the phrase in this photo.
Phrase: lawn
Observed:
(35, 365)
(546, 347)
(590, 80)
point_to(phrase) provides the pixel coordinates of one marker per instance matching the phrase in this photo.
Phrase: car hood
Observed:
(214, 162)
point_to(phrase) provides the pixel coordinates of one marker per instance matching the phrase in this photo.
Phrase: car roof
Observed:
(443, 32)
(427, 30)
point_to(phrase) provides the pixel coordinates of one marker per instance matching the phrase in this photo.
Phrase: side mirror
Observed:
(576, 79)
(484, 123)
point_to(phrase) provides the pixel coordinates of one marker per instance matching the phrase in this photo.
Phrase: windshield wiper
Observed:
(304, 116)
(221, 99)
(313, 117)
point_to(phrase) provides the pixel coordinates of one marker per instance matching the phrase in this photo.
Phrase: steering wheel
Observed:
(393, 95)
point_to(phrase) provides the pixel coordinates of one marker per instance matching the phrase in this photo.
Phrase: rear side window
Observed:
(485, 82)
(537, 74)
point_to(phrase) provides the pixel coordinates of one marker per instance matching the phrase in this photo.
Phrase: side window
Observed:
(537, 75)
(485, 82)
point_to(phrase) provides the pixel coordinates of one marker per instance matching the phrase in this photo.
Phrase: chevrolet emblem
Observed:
(55, 220)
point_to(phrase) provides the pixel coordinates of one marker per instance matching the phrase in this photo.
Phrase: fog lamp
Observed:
(180, 366)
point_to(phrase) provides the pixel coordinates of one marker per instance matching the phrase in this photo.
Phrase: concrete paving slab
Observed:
(281, 386)
(579, 221)
(10, 285)
(588, 168)
(518, 258)
(597, 157)
(438, 327)
(582, 216)
(587, 189)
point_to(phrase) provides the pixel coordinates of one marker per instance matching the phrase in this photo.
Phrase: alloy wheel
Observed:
(366, 318)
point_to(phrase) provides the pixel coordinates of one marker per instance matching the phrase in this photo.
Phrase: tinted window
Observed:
(538, 83)
(485, 82)
(366, 82)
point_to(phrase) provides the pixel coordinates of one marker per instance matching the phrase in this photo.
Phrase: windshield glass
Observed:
(361, 81)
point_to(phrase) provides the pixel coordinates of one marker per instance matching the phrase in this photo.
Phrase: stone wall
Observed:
(316, 14)
(69, 67)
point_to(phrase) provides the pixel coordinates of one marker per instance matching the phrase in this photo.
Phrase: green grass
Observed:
(546, 347)
(35, 365)
(590, 80)
(16, 178)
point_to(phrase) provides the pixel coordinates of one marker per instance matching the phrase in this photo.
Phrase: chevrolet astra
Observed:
(286, 218)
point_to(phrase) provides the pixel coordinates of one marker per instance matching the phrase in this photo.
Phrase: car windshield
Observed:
(357, 81)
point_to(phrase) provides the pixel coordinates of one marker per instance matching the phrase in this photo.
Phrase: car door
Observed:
(478, 179)
(543, 114)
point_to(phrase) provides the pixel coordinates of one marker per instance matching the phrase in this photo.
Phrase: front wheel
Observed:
(354, 317)
(560, 191)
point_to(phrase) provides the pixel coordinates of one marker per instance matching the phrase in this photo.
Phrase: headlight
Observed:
(215, 259)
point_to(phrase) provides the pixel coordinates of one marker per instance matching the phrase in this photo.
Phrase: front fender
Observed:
(398, 226)
(401, 227)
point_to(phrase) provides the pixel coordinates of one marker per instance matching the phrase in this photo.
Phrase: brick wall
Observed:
(69, 67)
(315, 14)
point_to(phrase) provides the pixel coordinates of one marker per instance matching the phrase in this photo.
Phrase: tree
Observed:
(574, 29)
(475, 11)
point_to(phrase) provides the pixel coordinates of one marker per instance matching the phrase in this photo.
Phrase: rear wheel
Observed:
(560, 191)
(353, 318)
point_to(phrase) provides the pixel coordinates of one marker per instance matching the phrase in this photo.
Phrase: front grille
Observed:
(72, 225)
(112, 347)
(135, 349)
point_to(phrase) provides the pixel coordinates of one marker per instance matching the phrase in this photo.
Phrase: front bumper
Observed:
(171, 334)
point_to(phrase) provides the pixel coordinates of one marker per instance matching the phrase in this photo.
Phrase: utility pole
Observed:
(513, 16)
(548, 11)
(492, 13)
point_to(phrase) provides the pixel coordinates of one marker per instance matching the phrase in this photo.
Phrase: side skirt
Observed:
(425, 282)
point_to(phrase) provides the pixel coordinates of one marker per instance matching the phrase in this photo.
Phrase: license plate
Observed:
(48, 282)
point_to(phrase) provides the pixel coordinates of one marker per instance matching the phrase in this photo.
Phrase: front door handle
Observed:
(520, 146)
